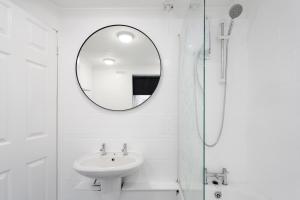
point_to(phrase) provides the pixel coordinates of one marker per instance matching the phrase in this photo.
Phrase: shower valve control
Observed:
(216, 178)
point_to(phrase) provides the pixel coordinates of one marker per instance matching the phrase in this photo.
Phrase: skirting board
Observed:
(127, 186)
(172, 186)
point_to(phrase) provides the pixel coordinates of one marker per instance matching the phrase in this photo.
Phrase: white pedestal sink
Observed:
(109, 169)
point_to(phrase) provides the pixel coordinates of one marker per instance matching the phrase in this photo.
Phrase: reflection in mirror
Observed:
(118, 67)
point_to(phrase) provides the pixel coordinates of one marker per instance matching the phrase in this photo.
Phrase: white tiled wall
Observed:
(274, 74)
(260, 141)
(231, 151)
(150, 128)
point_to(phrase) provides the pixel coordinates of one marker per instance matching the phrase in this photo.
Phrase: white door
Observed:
(28, 82)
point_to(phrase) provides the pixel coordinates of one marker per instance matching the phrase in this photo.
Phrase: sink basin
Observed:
(109, 169)
(109, 165)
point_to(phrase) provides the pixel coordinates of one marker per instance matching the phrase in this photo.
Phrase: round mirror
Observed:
(118, 67)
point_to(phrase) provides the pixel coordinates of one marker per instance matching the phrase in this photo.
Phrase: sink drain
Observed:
(218, 195)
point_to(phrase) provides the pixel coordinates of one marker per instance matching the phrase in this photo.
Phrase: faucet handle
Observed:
(124, 149)
(103, 146)
(225, 171)
(225, 180)
(103, 149)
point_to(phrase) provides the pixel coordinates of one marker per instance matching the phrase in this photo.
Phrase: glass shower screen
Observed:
(191, 102)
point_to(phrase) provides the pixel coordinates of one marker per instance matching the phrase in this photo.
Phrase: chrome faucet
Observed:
(218, 178)
(124, 149)
(103, 149)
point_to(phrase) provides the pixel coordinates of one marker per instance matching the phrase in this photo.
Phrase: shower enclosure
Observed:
(239, 100)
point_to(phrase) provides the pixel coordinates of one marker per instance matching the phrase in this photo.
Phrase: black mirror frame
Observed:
(160, 64)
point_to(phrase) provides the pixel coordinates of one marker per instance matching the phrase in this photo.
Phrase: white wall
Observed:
(274, 85)
(112, 90)
(260, 140)
(150, 128)
(85, 74)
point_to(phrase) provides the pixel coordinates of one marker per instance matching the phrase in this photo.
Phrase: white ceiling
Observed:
(138, 56)
(131, 3)
(107, 3)
(218, 2)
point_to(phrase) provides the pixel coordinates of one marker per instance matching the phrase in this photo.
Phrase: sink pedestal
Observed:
(111, 188)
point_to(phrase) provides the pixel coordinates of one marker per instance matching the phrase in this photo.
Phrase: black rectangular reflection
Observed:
(144, 85)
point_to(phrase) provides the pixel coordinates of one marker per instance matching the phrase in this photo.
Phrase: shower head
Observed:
(235, 11)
